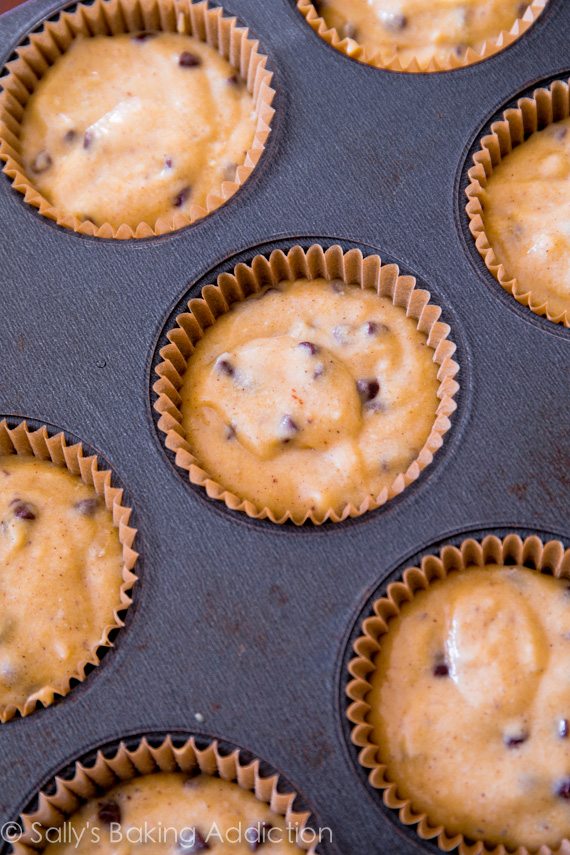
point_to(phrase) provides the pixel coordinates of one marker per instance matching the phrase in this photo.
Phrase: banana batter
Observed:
(470, 705)
(310, 396)
(60, 580)
(127, 128)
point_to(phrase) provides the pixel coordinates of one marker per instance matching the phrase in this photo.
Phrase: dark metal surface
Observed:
(247, 623)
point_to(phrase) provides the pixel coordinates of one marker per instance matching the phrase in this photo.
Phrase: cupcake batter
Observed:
(526, 213)
(423, 29)
(61, 573)
(471, 705)
(184, 815)
(310, 396)
(125, 129)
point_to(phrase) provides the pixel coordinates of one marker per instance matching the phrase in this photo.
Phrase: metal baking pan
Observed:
(245, 623)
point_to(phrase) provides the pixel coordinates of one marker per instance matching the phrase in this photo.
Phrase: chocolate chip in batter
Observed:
(109, 812)
(87, 139)
(230, 432)
(181, 197)
(144, 36)
(70, 136)
(373, 328)
(189, 60)
(310, 347)
(234, 79)
(394, 21)
(560, 133)
(192, 841)
(288, 428)
(338, 286)
(257, 835)
(515, 740)
(224, 366)
(87, 507)
(377, 407)
(319, 371)
(367, 389)
(563, 728)
(349, 30)
(168, 163)
(23, 510)
(440, 668)
(563, 788)
(41, 162)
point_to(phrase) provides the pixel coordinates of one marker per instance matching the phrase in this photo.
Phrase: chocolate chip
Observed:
(287, 428)
(563, 728)
(168, 163)
(181, 197)
(234, 79)
(225, 367)
(563, 788)
(459, 50)
(349, 30)
(560, 133)
(70, 136)
(23, 510)
(441, 669)
(394, 21)
(310, 347)
(367, 389)
(191, 840)
(87, 507)
(109, 812)
(87, 139)
(319, 371)
(516, 740)
(41, 162)
(257, 835)
(189, 60)
(144, 36)
(375, 328)
(230, 432)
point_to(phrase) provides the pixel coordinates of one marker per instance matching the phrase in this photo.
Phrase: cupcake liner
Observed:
(550, 557)
(39, 443)
(91, 781)
(389, 60)
(113, 17)
(333, 263)
(518, 123)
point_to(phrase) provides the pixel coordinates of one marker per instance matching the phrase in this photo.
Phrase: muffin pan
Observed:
(239, 627)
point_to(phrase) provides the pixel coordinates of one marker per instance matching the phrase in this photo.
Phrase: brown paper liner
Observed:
(126, 763)
(518, 123)
(353, 269)
(389, 60)
(112, 17)
(550, 557)
(39, 443)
